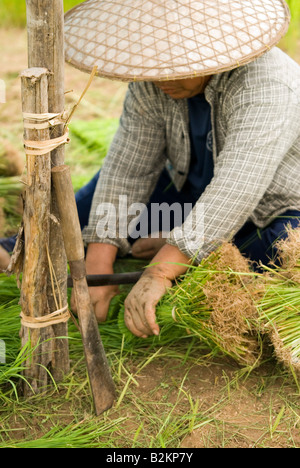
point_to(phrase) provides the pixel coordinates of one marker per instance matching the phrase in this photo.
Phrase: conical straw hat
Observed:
(147, 40)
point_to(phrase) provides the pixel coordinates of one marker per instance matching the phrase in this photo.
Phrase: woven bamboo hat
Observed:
(147, 40)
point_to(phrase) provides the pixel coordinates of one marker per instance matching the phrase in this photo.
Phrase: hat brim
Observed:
(139, 40)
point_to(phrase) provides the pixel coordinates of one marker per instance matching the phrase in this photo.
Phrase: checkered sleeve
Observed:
(262, 122)
(131, 169)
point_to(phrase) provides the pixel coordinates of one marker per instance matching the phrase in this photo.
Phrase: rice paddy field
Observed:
(175, 391)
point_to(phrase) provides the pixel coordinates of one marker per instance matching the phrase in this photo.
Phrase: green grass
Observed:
(13, 12)
(168, 394)
(291, 41)
(62, 417)
(89, 144)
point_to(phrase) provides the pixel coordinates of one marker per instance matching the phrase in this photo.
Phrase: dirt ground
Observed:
(241, 412)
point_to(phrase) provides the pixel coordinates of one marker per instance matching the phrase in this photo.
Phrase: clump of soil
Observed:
(230, 295)
(11, 160)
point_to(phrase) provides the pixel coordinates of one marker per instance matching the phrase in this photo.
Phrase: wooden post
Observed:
(101, 382)
(36, 221)
(45, 27)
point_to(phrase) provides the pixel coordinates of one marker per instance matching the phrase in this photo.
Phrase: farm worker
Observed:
(211, 119)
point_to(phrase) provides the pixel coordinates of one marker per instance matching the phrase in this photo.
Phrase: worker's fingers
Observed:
(134, 314)
(101, 297)
(140, 319)
(134, 324)
(101, 310)
(147, 247)
(140, 305)
(150, 316)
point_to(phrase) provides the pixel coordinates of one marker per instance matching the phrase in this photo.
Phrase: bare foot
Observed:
(4, 259)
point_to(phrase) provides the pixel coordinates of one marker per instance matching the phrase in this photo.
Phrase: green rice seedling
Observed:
(280, 315)
(9, 290)
(88, 433)
(10, 328)
(10, 191)
(213, 302)
(279, 309)
(291, 40)
(91, 140)
(13, 12)
(10, 187)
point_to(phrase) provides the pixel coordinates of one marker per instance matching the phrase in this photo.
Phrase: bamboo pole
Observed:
(45, 29)
(36, 221)
(101, 382)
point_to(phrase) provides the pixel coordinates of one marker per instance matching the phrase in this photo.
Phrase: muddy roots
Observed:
(230, 295)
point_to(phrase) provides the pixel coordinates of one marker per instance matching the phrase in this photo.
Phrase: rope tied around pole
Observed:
(49, 120)
(58, 316)
(43, 121)
(39, 148)
(61, 315)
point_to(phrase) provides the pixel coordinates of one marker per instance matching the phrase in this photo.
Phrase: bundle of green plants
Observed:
(213, 302)
(9, 290)
(10, 187)
(279, 308)
(90, 140)
(10, 204)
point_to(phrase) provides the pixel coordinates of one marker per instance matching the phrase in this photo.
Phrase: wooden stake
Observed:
(100, 379)
(36, 220)
(45, 27)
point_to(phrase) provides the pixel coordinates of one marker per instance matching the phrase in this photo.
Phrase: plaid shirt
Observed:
(256, 151)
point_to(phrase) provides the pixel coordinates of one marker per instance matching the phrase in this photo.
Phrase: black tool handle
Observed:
(107, 280)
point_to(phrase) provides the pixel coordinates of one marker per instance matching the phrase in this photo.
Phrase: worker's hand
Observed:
(147, 248)
(141, 302)
(99, 261)
(101, 296)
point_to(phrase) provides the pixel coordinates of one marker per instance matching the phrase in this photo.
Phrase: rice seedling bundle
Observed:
(213, 302)
(279, 309)
(92, 140)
